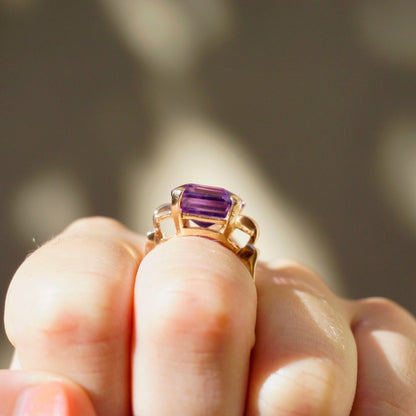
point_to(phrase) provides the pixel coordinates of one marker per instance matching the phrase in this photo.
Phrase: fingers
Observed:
(69, 311)
(195, 306)
(41, 394)
(304, 360)
(69, 307)
(386, 343)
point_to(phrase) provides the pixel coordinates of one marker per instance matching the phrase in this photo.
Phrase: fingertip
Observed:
(53, 399)
(45, 399)
(30, 393)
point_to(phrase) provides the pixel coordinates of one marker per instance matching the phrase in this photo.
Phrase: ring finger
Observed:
(195, 310)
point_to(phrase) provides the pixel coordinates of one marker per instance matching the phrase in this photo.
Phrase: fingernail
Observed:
(48, 399)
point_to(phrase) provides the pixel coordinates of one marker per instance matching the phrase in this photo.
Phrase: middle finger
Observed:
(304, 361)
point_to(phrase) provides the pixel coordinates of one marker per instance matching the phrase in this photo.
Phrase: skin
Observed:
(102, 330)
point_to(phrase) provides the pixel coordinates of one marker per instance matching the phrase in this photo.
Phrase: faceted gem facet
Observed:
(205, 201)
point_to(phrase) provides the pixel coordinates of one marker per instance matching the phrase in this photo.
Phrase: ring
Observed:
(210, 212)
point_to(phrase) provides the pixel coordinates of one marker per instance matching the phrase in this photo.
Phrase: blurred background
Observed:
(305, 109)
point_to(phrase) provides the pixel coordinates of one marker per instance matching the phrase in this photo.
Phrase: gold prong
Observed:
(236, 207)
(175, 206)
(176, 194)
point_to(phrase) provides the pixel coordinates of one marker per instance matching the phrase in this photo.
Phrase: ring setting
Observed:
(211, 212)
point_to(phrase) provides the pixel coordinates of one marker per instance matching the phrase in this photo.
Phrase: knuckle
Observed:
(377, 305)
(292, 274)
(56, 317)
(204, 318)
(72, 288)
(382, 312)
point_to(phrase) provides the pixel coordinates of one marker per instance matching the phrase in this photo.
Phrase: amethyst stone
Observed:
(205, 201)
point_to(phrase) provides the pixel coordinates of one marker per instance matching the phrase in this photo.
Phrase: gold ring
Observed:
(210, 212)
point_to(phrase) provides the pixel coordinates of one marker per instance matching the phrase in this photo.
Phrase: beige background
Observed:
(306, 109)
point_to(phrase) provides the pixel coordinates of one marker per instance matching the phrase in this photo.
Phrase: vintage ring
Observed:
(210, 212)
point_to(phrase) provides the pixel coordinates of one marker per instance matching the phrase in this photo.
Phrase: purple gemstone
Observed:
(205, 201)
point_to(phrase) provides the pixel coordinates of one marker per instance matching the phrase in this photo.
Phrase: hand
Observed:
(192, 334)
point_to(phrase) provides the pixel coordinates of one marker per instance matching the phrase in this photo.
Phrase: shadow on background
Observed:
(318, 95)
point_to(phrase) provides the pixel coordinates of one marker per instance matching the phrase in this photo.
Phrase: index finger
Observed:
(69, 309)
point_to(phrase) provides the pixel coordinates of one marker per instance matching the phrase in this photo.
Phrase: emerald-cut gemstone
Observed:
(206, 202)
